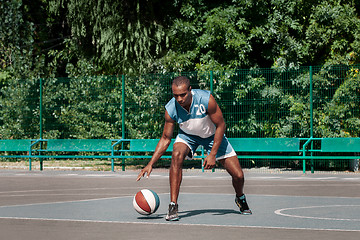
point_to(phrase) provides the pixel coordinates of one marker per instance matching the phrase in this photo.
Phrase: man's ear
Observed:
(189, 88)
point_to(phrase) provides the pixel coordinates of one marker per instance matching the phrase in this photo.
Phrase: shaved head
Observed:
(178, 81)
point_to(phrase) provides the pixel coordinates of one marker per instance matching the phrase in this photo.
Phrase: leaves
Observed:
(121, 36)
(257, 50)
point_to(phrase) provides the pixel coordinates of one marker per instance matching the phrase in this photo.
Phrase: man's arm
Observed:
(161, 147)
(216, 117)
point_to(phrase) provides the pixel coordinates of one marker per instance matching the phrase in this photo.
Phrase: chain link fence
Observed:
(321, 101)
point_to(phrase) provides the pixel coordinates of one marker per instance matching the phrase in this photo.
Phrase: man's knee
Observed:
(177, 158)
(238, 175)
(232, 165)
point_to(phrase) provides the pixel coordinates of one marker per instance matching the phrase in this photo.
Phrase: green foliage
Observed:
(75, 38)
(331, 33)
(145, 105)
(19, 115)
(275, 103)
(84, 107)
(341, 115)
(278, 33)
(21, 55)
(273, 39)
(254, 102)
(262, 103)
(120, 36)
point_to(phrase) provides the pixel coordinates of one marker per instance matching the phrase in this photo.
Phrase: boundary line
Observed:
(181, 224)
(279, 212)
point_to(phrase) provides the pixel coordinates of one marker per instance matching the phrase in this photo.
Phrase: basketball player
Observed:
(201, 123)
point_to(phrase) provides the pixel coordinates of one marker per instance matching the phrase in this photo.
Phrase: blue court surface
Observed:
(91, 205)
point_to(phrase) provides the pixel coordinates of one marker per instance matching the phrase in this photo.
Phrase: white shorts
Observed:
(193, 142)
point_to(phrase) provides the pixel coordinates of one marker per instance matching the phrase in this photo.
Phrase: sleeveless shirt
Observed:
(197, 121)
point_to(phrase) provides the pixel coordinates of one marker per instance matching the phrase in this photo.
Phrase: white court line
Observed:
(309, 178)
(155, 223)
(326, 178)
(265, 178)
(180, 224)
(97, 175)
(161, 176)
(59, 194)
(351, 179)
(67, 189)
(279, 212)
(73, 201)
(70, 201)
(3, 194)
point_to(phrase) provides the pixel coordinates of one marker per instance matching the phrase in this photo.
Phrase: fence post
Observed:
(41, 109)
(123, 116)
(41, 120)
(311, 117)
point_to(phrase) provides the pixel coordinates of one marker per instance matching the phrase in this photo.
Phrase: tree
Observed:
(270, 39)
(117, 36)
(332, 34)
(21, 65)
(276, 33)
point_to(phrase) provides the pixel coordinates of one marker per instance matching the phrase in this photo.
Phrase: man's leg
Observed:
(180, 151)
(233, 167)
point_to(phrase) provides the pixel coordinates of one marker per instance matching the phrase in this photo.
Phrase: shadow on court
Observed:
(213, 212)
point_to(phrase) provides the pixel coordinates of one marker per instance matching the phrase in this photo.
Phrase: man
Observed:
(201, 123)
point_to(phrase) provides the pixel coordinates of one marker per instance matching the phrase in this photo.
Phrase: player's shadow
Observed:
(214, 212)
(154, 216)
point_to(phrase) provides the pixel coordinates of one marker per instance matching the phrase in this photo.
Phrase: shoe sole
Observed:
(246, 213)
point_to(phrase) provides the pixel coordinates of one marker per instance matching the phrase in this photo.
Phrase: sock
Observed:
(242, 197)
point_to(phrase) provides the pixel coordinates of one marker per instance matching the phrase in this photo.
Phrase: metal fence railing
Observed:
(320, 101)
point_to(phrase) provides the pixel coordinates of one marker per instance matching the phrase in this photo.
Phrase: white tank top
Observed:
(196, 121)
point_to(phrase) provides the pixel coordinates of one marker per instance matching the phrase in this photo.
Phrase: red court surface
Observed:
(98, 205)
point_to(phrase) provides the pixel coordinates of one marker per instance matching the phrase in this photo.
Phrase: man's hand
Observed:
(146, 170)
(209, 162)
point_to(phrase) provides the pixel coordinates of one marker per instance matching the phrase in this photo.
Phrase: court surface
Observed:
(98, 205)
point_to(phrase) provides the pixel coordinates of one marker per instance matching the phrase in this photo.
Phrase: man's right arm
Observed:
(161, 147)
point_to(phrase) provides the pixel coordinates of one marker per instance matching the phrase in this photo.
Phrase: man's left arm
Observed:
(217, 118)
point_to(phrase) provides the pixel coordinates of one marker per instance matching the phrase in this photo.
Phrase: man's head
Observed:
(182, 91)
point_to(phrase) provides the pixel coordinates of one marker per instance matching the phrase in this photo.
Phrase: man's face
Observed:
(182, 95)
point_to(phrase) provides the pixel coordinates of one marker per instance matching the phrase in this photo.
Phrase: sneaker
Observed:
(242, 204)
(173, 212)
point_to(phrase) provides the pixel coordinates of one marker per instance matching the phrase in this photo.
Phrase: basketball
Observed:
(146, 202)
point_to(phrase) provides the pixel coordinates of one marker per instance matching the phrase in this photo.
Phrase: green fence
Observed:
(300, 102)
